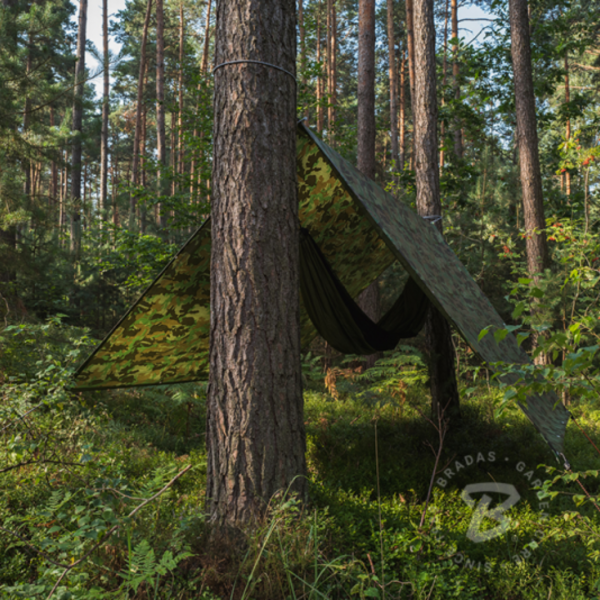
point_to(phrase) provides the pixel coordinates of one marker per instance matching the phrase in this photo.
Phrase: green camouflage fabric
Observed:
(361, 230)
(348, 241)
(163, 337)
(423, 252)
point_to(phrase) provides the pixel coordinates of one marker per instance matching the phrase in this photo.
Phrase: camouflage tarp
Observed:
(361, 230)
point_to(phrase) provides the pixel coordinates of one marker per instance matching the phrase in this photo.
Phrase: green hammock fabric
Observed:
(360, 230)
(340, 321)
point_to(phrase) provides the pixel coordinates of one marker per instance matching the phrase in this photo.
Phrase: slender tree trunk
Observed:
(393, 85)
(54, 169)
(369, 299)
(302, 31)
(105, 112)
(332, 69)
(410, 44)
(366, 88)
(142, 150)
(77, 131)
(138, 117)
(568, 125)
(458, 143)
(173, 147)
(180, 167)
(445, 72)
(194, 178)
(442, 375)
(320, 112)
(531, 179)
(160, 110)
(536, 246)
(402, 117)
(255, 426)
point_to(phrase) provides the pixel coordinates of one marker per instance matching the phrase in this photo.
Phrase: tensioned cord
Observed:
(256, 62)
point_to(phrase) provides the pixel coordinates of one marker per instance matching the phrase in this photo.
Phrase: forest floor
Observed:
(74, 470)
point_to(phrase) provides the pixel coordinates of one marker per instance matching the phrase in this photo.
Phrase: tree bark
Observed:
(531, 179)
(105, 112)
(458, 142)
(442, 375)
(369, 299)
(320, 112)
(402, 116)
(302, 31)
(444, 71)
(410, 44)
(366, 88)
(255, 427)
(180, 168)
(393, 85)
(138, 117)
(160, 110)
(568, 124)
(77, 130)
(331, 69)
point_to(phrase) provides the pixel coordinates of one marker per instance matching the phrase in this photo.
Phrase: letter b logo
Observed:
(482, 509)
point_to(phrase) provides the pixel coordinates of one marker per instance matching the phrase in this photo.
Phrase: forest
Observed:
(292, 469)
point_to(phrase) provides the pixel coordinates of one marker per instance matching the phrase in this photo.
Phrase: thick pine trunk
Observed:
(255, 427)
(442, 375)
(105, 111)
(531, 179)
(393, 85)
(180, 166)
(161, 150)
(77, 130)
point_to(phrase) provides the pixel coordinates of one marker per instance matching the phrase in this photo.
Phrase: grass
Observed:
(115, 448)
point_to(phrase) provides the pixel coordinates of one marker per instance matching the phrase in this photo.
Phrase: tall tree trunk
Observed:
(77, 130)
(393, 85)
(142, 150)
(332, 69)
(54, 169)
(410, 44)
(180, 168)
(369, 299)
(531, 179)
(173, 147)
(194, 175)
(458, 143)
(320, 112)
(568, 125)
(160, 110)
(255, 426)
(402, 116)
(105, 111)
(442, 375)
(302, 31)
(135, 166)
(444, 78)
(536, 246)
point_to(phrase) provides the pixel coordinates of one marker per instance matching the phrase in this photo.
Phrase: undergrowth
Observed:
(103, 493)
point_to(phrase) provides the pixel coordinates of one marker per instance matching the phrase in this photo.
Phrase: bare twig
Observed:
(20, 417)
(442, 428)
